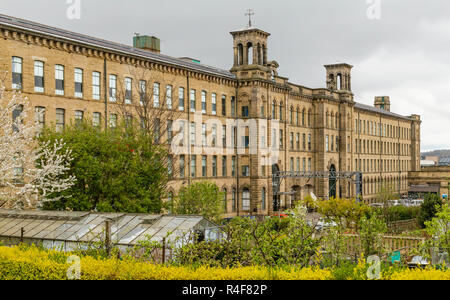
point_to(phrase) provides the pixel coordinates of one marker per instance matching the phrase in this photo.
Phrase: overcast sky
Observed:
(404, 54)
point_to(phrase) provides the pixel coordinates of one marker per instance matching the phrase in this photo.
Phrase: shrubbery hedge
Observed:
(23, 263)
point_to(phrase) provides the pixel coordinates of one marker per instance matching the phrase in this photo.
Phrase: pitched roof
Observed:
(380, 111)
(108, 45)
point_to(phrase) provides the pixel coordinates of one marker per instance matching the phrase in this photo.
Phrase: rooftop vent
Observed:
(146, 42)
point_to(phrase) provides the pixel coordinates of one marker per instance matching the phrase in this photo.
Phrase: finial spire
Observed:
(250, 13)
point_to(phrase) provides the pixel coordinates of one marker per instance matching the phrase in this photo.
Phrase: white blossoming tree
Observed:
(30, 173)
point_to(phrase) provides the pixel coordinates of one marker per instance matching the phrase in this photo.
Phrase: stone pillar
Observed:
(245, 55)
(236, 62)
(255, 55)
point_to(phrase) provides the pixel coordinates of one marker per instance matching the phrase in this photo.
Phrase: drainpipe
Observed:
(188, 125)
(106, 93)
(236, 150)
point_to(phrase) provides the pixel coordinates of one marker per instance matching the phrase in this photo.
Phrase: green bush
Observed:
(401, 213)
(429, 208)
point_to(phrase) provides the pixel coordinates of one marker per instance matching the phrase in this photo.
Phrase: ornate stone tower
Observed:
(383, 102)
(250, 52)
(339, 77)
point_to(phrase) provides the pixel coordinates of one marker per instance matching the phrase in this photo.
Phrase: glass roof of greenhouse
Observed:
(126, 229)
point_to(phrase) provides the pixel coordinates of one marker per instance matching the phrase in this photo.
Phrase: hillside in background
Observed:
(440, 153)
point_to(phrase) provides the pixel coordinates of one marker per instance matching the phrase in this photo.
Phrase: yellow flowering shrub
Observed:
(19, 263)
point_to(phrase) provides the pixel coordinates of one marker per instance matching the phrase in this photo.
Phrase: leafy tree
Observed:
(344, 212)
(429, 208)
(439, 228)
(118, 170)
(201, 198)
(370, 233)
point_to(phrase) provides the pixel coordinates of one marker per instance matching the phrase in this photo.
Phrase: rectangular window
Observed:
(39, 116)
(204, 163)
(182, 166)
(214, 166)
(309, 164)
(297, 141)
(304, 141)
(224, 105)
(181, 99)
(245, 111)
(245, 171)
(96, 85)
(203, 102)
(192, 134)
(233, 106)
(128, 90)
(204, 135)
(309, 142)
(142, 92)
(112, 88)
(193, 166)
(298, 164)
(157, 130)
(224, 136)
(156, 95)
(291, 164)
(128, 120)
(78, 83)
(60, 119)
(96, 119)
(214, 104)
(169, 97)
(281, 139)
(214, 135)
(17, 78)
(79, 114)
(170, 166)
(59, 80)
(304, 164)
(233, 166)
(291, 140)
(39, 76)
(327, 143)
(17, 118)
(192, 99)
(169, 131)
(224, 166)
(113, 121)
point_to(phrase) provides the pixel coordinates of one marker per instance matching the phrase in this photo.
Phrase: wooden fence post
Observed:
(108, 237)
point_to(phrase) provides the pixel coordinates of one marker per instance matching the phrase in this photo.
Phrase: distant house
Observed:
(427, 163)
(444, 161)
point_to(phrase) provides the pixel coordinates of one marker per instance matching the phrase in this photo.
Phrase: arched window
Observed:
(249, 54)
(303, 117)
(245, 199)
(170, 202)
(225, 202)
(298, 116)
(291, 115)
(240, 55)
(274, 110)
(281, 111)
(309, 117)
(339, 82)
